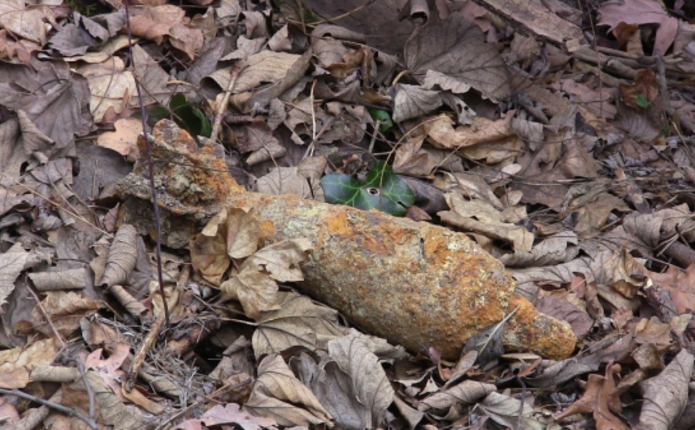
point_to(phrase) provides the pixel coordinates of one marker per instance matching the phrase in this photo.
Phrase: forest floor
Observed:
(298, 152)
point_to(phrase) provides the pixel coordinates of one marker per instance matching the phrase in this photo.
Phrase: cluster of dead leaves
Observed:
(565, 158)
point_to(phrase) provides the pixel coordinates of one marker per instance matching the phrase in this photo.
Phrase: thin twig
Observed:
(147, 343)
(48, 318)
(68, 211)
(87, 386)
(150, 164)
(217, 124)
(69, 411)
(145, 346)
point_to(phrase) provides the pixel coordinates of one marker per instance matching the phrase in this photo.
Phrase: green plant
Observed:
(83, 7)
(642, 101)
(185, 114)
(382, 117)
(382, 189)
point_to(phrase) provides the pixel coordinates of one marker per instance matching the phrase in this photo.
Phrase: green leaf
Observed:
(382, 189)
(383, 117)
(185, 114)
(642, 101)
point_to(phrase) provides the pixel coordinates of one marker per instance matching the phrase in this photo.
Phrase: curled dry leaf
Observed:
(254, 289)
(600, 399)
(65, 309)
(71, 279)
(122, 257)
(478, 216)
(412, 101)
(465, 393)
(255, 286)
(334, 389)
(279, 395)
(506, 411)
(298, 322)
(354, 355)
(242, 233)
(666, 395)
(231, 233)
(16, 364)
(14, 260)
(281, 260)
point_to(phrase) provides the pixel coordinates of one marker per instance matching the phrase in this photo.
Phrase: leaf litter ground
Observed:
(557, 137)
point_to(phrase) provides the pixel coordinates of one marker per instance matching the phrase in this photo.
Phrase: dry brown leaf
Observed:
(281, 260)
(629, 37)
(640, 124)
(297, 322)
(412, 101)
(49, 100)
(281, 41)
(17, 50)
(666, 395)
(412, 159)
(279, 395)
(465, 393)
(152, 79)
(266, 66)
(272, 150)
(286, 180)
(594, 216)
(255, 286)
(186, 39)
(565, 306)
(124, 139)
(242, 232)
(13, 263)
(354, 355)
(443, 135)
(229, 413)
(645, 86)
(27, 23)
(122, 257)
(209, 249)
(16, 364)
(112, 411)
(600, 102)
(70, 279)
(554, 249)
(65, 309)
(254, 289)
(110, 85)
(678, 283)
(456, 48)
(365, 22)
(506, 411)
(478, 216)
(600, 399)
(642, 12)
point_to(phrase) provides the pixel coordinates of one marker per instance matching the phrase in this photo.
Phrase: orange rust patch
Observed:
(267, 228)
(338, 224)
(434, 245)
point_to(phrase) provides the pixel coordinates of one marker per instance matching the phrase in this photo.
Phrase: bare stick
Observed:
(148, 156)
(52, 405)
(217, 124)
(146, 344)
(48, 318)
(87, 386)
